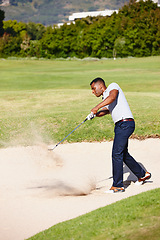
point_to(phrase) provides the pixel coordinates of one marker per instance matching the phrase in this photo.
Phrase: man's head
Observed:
(98, 86)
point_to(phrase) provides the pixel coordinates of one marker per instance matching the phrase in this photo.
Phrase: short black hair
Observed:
(98, 79)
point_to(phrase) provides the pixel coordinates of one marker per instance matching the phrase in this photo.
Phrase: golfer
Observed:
(115, 103)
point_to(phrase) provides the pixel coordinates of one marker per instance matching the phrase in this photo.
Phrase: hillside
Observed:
(49, 12)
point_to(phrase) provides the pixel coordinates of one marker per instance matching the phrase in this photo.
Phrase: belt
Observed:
(125, 120)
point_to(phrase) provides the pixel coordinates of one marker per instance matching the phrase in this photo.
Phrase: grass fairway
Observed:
(45, 100)
(134, 218)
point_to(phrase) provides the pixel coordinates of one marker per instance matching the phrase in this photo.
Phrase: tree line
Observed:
(133, 31)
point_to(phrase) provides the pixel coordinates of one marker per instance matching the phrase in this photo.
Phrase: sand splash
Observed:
(39, 188)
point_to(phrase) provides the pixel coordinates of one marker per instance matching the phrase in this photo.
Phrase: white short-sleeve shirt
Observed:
(119, 109)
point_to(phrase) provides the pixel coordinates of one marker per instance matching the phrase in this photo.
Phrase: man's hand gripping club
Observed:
(91, 116)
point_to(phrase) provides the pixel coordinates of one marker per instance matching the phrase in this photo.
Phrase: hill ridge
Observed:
(51, 12)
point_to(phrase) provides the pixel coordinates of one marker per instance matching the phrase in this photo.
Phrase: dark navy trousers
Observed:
(123, 131)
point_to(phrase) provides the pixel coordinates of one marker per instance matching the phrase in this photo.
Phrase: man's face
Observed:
(97, 89)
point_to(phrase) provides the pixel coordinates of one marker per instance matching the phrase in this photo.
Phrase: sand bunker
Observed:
(39, 188)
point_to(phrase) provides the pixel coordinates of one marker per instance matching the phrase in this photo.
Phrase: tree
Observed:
(2, 15)
(15, 2)
(14, 28)
(134, 31)
(119, 46)
(35, 31)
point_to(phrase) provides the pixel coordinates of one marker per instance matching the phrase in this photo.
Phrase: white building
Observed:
(81, 15)
(61, 24)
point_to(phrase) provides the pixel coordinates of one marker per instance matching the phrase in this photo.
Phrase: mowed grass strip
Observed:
(134, 218)
(46, 100)
(134, 74)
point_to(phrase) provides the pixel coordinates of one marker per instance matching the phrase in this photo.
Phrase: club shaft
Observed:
(68, 134)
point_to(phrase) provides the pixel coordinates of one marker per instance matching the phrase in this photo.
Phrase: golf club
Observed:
(68, 135)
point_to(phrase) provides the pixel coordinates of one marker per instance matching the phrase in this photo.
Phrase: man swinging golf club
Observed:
(115, 103)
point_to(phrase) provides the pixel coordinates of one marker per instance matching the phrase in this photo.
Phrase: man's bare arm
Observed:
(111, 98)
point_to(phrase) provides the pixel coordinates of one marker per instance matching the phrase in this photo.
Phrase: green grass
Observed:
(134, 218)
(45, 99)
(135, 74)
